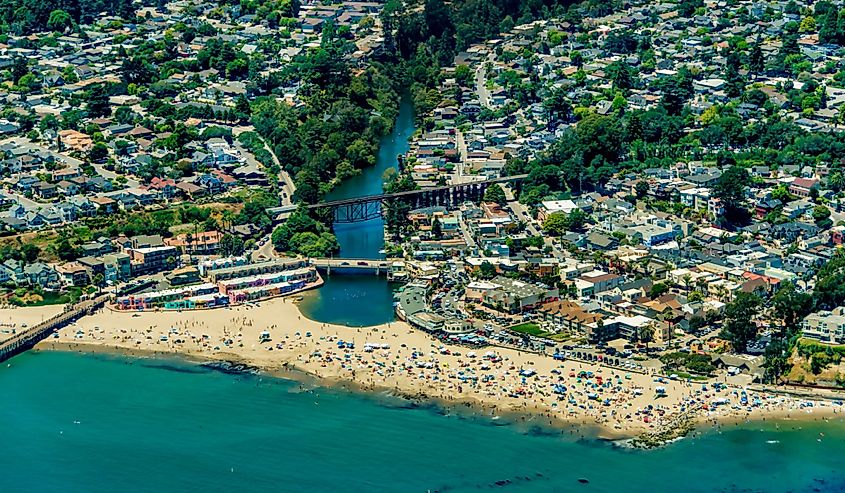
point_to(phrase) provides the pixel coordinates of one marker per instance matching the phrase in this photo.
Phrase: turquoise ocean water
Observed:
(98, 423)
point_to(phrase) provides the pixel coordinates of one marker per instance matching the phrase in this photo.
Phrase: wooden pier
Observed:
(31, 336)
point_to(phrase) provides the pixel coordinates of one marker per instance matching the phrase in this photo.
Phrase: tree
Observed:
(756, 60)
(231, 245)
(776, 360)
(791, 306)
(98, 101)
(658, 290)
(730, 190)
(486, 270)
(734, 81)
(739, 327)
(98, 153)
(463, 75)
(496, 194)
(136, 70)
(66, 252)
(59, 21)
(124, 114)
(821, 215)
(619, 73)
(557, 105)
(642, 188)
(436, 228)
(29, 252)
(558, 223)
(645, 334)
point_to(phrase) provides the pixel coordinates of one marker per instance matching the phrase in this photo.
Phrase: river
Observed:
(365, 299)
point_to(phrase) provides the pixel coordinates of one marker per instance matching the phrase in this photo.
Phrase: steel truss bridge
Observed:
(369, 207)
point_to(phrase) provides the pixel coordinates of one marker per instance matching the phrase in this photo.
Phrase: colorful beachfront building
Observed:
(166, 299)
(270, 280)
(206, 267)
(269, 267)
(299, 276)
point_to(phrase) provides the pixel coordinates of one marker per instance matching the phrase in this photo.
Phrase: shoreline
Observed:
(466, 406)
(469, 408)
(417, 368)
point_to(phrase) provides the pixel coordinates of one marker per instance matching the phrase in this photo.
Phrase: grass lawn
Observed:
(530, 328)
(45, 298)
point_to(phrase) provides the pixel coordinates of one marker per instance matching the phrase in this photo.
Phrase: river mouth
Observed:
(362, 300)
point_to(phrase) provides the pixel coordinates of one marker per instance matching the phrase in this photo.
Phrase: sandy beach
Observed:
(16, 319)
(413, 364)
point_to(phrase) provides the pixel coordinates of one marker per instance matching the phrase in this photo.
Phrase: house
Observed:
(825, 326)
(72, 274)
(205, 243)
(39, 274)
(44, 190)
(104, 205)
(117, 267)
(596, 281)
(802, 186)
(509, 295)
(149, 260)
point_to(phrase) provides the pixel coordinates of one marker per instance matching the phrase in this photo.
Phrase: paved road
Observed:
(265, 251)
(29, 204)
(481, 82)
(98, 167)
(464, 229)
(462, 150)
(520, 210)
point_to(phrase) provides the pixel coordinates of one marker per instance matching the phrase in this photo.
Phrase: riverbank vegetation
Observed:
(332, 136)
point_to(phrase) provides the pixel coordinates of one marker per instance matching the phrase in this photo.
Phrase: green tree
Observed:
(730, 190)
(98, 153)
(59, 21)
(29, 252)
(645, 334)
(556, 223)
(642, 188)
(791, 306)
(436, 228)
(231, 245)
(486, 270)
(463, 75)
(739, 327)
(65, 251)
(657, 290)
(98, 102)
(821, 215)
(495, 193)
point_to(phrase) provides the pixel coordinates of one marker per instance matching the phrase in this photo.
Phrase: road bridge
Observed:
(352, 265)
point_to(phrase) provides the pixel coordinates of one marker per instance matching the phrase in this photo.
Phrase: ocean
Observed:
(103, 423)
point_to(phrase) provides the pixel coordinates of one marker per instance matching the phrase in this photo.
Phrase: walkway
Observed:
(31, 336)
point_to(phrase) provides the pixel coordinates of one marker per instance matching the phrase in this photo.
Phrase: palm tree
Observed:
(687, 280)
(227, 217)
(189, 239)
(646, 334)
(836, 181)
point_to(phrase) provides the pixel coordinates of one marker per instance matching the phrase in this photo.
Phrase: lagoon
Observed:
(352, 299)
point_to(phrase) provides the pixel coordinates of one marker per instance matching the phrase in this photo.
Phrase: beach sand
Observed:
(412, 364)
(18, 318)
